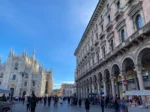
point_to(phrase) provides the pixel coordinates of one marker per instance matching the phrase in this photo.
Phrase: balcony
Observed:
(129, 2)
(119, 14)
(109, 26)
(102, 34)
(96, 42)
(103, 42)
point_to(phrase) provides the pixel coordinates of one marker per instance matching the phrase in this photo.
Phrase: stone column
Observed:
(113, 86)
(93, 88)
(98, 88)
(140, 79)
(104, 83)
(136, 83)
(123, 86)
(123, 79)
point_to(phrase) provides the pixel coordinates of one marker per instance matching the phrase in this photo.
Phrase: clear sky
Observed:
(55, 27)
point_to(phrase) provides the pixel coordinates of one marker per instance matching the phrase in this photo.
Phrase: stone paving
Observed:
(60, 108)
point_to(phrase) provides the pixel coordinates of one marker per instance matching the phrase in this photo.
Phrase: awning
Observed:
(138, 93)
(4, 90)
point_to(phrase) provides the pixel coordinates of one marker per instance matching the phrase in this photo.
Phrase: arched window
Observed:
(14, 77)
(139, 22)
(123, 35)
(118, 5)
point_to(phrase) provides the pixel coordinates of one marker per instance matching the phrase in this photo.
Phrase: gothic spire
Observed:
(34, 52)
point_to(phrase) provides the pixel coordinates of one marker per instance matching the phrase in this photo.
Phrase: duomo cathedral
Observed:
(23, 75)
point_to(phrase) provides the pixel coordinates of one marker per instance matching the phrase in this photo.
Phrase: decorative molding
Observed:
(110, 35)
(120, 25)
(135, 9)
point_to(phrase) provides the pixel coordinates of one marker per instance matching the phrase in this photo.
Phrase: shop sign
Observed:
(138, 93)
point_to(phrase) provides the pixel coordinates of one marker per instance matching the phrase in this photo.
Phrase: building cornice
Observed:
(91, 23)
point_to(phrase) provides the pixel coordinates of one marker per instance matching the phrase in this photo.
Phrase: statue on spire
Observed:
(34, 52)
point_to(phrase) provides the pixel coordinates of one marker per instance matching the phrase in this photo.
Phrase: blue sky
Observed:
(55, 27)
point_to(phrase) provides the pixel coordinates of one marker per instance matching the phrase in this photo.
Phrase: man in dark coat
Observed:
(87, 105)
(80, 103)
(49, 101)
(45, 100)
(33, 102)
(102, 104)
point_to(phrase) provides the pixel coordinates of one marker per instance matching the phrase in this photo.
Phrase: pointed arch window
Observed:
(14, 77)
(16, 66)
(123, 35)
(139, 22)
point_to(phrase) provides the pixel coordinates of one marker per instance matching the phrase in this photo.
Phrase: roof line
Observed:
(89, 24)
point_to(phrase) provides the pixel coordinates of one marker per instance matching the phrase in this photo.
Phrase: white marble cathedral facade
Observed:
(113, 55)
(23, 75)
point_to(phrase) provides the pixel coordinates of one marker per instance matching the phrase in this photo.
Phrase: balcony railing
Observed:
(143, 31)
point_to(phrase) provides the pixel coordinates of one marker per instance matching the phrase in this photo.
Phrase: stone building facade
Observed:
(23, 75)
(113, 55)
(68, 90)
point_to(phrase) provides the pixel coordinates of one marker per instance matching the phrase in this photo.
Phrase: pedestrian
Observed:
(68, 100)
(23, 99)
(28, 104)
(80, 103)
(102, 104)
(49, 101)
(106, 101)
(116, 106)
(87, 105)
(45, 100)
(33, 102)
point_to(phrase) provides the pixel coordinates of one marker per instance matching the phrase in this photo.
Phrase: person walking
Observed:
(33, 102)
(49, 101)
(68, 100)
(80, 103)
(116, 106)
(45, 100)
(87, 105)
(102, 104)
(28, 104)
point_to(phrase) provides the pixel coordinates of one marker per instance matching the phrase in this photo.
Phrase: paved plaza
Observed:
(64, 108)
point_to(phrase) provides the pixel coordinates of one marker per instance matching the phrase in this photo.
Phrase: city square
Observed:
(60, 108)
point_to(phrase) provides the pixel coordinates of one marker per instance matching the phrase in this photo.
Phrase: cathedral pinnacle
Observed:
(34, 52)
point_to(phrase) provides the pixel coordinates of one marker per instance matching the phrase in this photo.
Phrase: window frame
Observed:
(123, 40)
(14, 77)
(137, 21)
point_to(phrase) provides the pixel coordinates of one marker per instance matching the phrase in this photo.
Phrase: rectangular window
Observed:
(25, 84)
(111, 44)
(103, 50)
(108, 17)
(96, 35)
(33, 83)
(107, 6)
(102, 27)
